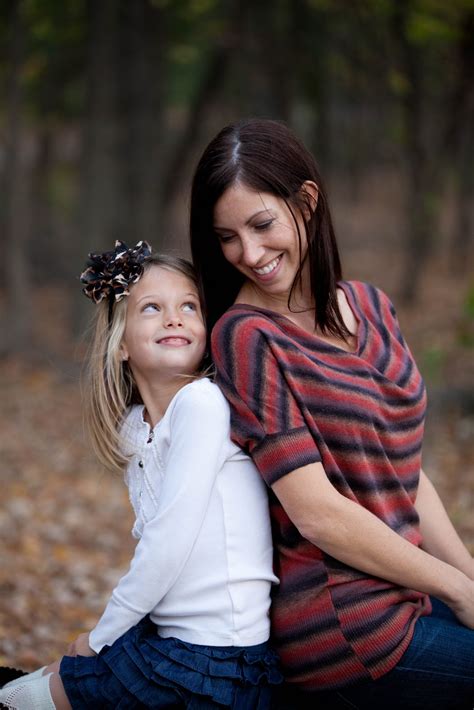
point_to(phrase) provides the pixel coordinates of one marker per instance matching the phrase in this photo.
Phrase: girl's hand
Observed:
(80, 647)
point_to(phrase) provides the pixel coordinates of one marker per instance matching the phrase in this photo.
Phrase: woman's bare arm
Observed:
(440, 538)
(355, 536)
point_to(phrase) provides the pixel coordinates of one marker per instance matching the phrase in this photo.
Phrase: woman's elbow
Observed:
(321, 529)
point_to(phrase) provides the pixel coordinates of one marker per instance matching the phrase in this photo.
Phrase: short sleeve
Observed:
(256, 368)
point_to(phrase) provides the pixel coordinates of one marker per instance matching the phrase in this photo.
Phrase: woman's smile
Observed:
(269, 270)
(262, 237)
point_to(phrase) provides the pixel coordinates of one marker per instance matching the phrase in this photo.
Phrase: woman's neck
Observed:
(299, 301)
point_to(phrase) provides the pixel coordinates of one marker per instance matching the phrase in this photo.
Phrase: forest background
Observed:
(105, 107)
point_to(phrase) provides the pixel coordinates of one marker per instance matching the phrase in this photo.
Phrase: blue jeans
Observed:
(436, 672)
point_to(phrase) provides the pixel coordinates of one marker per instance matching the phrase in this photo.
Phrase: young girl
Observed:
(187, 626)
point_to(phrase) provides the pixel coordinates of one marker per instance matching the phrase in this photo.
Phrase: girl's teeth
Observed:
(267, 269)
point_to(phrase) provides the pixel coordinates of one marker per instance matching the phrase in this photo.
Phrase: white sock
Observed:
(25, 678)
(32, 695)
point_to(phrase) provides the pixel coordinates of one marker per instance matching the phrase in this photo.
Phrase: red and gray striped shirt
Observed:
(296, 399)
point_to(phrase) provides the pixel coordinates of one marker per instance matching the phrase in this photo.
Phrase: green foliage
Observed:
(54, 50)
(398, 82)
(346, 39)
(469, 303)
(194, 27)
(466, 324)
(432, 24)
(432, 363)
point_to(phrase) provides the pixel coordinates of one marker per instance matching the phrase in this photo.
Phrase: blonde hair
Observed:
(109, 387)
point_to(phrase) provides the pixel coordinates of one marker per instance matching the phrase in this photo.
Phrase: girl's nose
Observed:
(173, 320)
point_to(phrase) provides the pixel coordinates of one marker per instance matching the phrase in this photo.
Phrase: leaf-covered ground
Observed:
(65, 524)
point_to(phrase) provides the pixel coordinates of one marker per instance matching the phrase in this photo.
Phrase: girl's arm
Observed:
(199, 426)
(350, 533)
(440, 538)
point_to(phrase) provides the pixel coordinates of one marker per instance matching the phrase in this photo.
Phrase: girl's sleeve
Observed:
(199, 432)
(257, 369)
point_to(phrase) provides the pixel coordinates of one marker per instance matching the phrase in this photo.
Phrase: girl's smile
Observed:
(164, 334)
(174, 341)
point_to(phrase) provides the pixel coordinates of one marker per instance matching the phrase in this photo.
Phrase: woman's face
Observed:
(258, 236)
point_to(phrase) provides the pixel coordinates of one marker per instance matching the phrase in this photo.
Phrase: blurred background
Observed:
(105, 107)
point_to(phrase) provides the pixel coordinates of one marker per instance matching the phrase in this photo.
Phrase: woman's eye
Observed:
(264, 225)
(225, 238)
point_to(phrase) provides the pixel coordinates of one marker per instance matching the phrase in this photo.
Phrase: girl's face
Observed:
(258, 236)
(164, 332)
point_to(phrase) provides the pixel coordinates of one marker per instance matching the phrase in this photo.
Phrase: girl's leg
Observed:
(58, 693)
(41, 690)
(24, 677)
(31, 694)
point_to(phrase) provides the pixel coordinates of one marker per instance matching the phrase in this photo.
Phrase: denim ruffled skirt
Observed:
(143, 670)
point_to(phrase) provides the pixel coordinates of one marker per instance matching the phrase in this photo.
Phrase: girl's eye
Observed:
(189, 307)
(150, 308)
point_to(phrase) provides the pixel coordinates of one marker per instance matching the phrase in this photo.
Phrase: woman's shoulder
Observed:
(246, 335)
(242, 319)
(362, 287)
(366, 295)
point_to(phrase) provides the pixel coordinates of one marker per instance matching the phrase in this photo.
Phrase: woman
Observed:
(376, 599)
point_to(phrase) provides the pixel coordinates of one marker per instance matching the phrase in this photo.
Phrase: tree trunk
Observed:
(266, 58)
(460, 143)
(204, 100)
(419, 230)
(46, 248)
(16, 330)
(98, 217)
(141, 84)
(310, 30)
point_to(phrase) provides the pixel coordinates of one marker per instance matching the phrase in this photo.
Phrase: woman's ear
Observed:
(310, 193)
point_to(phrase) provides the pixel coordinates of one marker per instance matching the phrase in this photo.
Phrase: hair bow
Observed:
(109, 275)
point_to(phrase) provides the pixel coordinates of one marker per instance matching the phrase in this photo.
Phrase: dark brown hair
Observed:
(265, 156)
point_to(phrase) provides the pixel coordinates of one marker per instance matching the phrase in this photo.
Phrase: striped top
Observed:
(296, 399)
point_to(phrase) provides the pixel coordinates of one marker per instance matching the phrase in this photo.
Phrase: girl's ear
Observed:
(123, 352)
(310, 193)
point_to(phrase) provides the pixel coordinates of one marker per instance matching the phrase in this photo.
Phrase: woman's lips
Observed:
(267, 272)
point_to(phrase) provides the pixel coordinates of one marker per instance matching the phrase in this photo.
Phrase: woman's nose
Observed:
(251, 251)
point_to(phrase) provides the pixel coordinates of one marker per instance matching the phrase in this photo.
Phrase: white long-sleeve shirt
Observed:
(202, 567)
